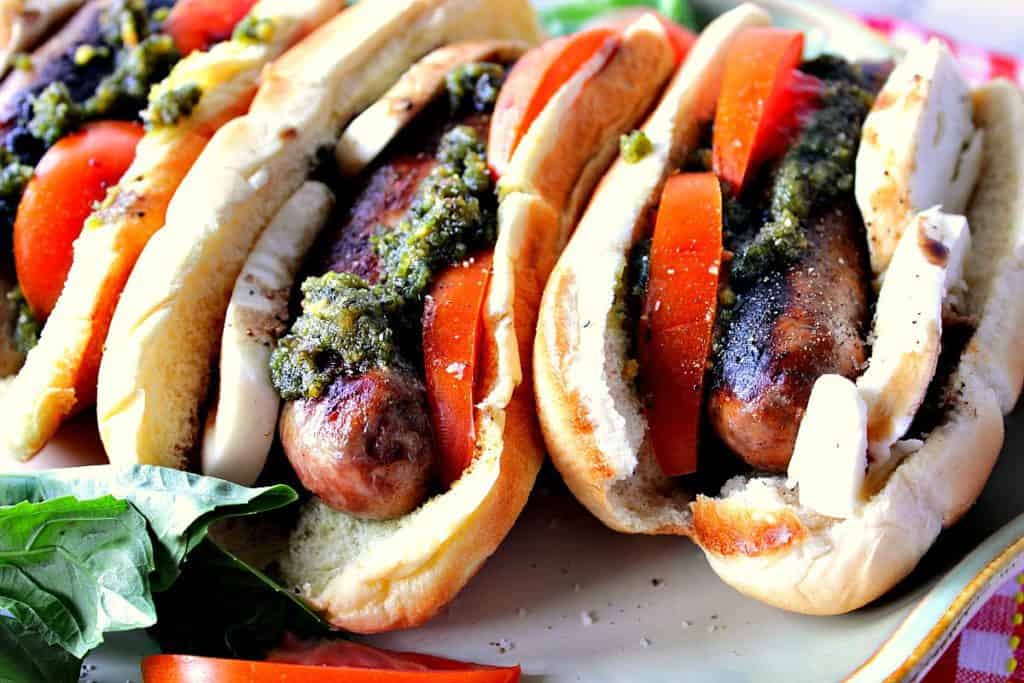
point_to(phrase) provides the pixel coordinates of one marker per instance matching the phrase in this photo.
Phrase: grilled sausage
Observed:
(365, 447)
(787, 330)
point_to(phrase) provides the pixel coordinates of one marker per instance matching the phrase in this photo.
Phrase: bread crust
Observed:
(757, 538)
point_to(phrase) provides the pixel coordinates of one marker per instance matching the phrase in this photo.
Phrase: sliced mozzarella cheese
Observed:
(919, 148)
(927, 263)
(240, 428)
(830, 457)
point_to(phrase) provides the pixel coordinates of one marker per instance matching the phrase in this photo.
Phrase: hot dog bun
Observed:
(757, 536)
(59, 376)
(370, 575)
(806, 563)
(165, 330)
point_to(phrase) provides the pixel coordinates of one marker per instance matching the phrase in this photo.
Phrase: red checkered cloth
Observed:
(989, 648)
(977, 64)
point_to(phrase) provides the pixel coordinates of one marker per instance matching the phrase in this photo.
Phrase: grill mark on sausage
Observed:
(788, 329)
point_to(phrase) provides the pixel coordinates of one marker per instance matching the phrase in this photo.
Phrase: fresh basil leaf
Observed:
(569, 17)
(26, 656)
(71, 570)
(244, 612)
(179, 506)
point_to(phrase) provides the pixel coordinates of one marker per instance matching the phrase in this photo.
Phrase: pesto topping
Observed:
(173, 105)
(343, 328)
(54, 114)
(815, 171)
(125, 23)
(635, 146)
(86, 53)
(23, 62)
(348, 325)
(26, 328)
(138, 70)
(474, 86)
(254, 30)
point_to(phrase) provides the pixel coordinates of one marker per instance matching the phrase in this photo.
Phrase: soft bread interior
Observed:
(593, 422)
(372, 576)
(827, 566)
(164, 334)
(59, 376)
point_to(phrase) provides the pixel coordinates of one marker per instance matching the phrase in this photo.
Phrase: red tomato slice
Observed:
(679, 315)
(451, 343)
(71, 176)
(187, 669)
(532, 83)
(201, 24)
(762, 97)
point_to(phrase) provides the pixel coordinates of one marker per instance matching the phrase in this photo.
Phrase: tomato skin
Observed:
(200, 24)
(188, 669)
(72, 175)
(531, 84)
(679, 315)
(451, 345)
(762, 98)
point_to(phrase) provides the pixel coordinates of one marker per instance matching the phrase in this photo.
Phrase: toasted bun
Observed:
(593, 424)
(756, 536)
(164, 334)
(59, 376)
(369, 576)
(824, 566)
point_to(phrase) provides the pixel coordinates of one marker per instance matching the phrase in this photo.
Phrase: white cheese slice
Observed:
(241, 426)
(927, 263)
(830, 457)
(919, 148)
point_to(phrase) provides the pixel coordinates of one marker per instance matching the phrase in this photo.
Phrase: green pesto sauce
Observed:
(142, 61)
(54, 114)
(254, 30)
(347, 325)
(474, 86)
(26, 328)
(138, 70)
(816, 170)
(23, 62)
(635, 146)
(173, 105)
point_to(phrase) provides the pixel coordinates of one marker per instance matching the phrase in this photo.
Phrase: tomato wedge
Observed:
(763, 95)
(451, 343)
(71, 176)
(532, 83)
(188, 669)
(679, 315)
(200, 24)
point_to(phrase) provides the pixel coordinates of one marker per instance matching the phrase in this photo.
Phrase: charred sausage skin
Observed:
(366, 446)
(788, 329)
